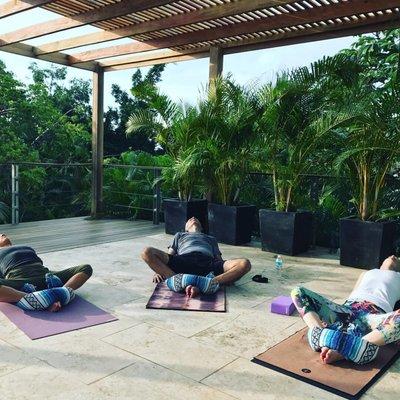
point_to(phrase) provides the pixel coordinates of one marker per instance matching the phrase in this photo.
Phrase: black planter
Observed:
(365, 244)
(177, 212)
(231, 224)
(285, 232)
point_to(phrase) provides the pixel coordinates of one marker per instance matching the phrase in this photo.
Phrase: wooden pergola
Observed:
(165, 31)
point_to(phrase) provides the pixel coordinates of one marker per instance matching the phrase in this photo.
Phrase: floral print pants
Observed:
(357, 318)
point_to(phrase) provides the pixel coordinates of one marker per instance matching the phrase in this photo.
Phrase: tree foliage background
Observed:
(48, 120)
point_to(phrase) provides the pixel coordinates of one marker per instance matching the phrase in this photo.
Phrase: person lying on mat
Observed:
(25, 281)
(194, 263)
(366, 321)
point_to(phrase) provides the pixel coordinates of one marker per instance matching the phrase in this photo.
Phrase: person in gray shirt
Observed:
(22, 271)
(196, 253)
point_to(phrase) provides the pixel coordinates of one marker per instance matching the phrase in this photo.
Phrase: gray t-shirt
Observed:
(189, 242)
(16, 256)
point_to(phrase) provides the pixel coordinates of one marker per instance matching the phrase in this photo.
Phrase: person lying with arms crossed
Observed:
(31, 286)
(194, 263)
(365, 322)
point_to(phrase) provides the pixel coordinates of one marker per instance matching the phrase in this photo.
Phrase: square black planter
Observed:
(231, 224)
(285, 232)
(365, 244)
(177, 212)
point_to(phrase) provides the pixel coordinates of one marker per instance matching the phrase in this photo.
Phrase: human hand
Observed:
(157, 278)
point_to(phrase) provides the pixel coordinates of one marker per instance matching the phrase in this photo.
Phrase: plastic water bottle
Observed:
(278, 263)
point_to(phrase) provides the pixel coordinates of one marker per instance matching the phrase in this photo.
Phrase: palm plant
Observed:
(371, 150)
(174, 127)
(294, 128)
(225, 151)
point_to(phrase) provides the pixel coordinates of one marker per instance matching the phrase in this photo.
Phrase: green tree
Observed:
(115, 139)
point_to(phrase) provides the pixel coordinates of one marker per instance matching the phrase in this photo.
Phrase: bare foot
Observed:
(55, 307)
(332, 356)
(192, 291)
(324, 352)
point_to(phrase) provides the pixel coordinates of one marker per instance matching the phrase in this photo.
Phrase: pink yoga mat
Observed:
(79, 314)
(164, 298)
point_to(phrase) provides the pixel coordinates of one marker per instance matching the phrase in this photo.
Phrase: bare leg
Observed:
(157, 260)
(233, 270)
(313, 320)
(76, 281)
(10, 295)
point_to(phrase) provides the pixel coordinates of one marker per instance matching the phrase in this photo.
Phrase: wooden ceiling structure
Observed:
(165, 31)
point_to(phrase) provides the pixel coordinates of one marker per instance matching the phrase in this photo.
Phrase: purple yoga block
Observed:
(282, 305)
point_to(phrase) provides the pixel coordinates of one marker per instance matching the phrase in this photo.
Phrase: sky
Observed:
(181, 81)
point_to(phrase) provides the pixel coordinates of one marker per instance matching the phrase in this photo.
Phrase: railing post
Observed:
(14, 194)
(156, 197)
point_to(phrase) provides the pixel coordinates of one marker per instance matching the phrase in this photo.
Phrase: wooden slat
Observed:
(151, 56)
(60, 24)
(156, 61)
(56, 235)
(381, 22)
(204, 14)
(278, 21)
(13, 7)
(58, 58)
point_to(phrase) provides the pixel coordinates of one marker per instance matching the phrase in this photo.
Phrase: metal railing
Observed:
(35, 191)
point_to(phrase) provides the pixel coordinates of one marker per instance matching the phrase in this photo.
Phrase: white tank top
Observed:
(381, 287)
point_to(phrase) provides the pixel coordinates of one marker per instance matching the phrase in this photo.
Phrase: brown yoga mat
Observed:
(164, 298)
(294, 357)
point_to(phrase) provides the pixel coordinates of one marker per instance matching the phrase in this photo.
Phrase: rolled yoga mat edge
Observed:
(388, 356)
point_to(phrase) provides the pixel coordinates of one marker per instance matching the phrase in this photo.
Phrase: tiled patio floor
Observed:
(158, 354)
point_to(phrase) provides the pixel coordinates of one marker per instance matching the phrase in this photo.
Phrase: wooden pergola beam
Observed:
(278, 21)
(216, 63)
(386, 22)
(13, 7)
(97, 143)
(200, 15)
(383, 22)
(89, 17)
(23, 49)
(156, 61)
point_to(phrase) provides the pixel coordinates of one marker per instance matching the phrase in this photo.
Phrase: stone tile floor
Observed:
(159, 354)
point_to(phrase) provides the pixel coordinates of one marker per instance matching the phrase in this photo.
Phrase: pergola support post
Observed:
(216, 64)
(97, 143)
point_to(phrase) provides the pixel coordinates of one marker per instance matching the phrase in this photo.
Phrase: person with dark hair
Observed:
(194, 263)
(25, 281)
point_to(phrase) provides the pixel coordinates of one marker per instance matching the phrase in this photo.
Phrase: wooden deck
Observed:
(60, 234)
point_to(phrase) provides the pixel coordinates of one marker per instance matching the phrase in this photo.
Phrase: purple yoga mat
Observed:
(164, 298)
(79, 314)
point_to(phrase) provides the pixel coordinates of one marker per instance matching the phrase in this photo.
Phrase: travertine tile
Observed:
(86, 358)
(146, 380)
(13, 359)
(249, 381)
(37, 381)
(183, 323)
(250, 333)
(180, 354)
